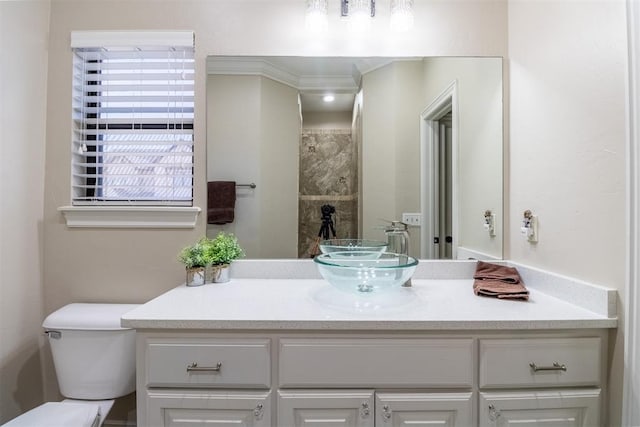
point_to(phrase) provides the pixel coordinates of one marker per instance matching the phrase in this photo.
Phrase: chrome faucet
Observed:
(398, 241)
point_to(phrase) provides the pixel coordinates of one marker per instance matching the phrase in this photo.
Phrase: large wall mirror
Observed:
(355, 143)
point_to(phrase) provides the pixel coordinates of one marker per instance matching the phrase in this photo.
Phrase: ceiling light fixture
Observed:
(359, 14)
(328, 98)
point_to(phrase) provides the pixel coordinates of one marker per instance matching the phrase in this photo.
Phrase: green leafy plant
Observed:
(219, 251)
(223, 249)
(195, 256)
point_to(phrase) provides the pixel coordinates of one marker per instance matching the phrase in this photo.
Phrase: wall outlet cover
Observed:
(413, 219)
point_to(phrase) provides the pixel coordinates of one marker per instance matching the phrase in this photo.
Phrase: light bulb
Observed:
(401, 15)
(316, 16)
(359, 15)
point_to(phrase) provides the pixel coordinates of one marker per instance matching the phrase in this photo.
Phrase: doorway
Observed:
(438, 171)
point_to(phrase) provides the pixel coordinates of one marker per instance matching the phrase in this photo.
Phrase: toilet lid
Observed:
(88, 316)
(58, 414)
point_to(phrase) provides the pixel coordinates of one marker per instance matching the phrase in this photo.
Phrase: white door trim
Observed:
(631, 396)
(429, 133)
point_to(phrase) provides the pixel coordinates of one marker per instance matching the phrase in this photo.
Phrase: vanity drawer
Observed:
(209, 363)
(545, 362)
(376, 363)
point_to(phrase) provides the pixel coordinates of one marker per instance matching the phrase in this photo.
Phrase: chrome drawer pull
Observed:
(556, 367)
(195, 368)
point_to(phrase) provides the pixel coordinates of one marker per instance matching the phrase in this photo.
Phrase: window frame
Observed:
(141, 213)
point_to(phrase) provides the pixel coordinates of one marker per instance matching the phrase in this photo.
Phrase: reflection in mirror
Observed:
(417, 136)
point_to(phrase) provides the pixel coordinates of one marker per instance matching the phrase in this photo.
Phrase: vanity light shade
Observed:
(316, 16)
(401, 15)
(360, 15)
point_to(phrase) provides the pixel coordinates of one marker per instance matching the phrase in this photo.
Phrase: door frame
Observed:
(630, 411)
(446, 101)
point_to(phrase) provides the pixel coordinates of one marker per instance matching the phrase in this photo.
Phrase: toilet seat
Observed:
(68, 413)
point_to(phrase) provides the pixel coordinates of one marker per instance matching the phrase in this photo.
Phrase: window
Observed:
(133, 102)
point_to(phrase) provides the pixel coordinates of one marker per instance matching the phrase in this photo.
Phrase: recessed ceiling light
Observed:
(328, 98)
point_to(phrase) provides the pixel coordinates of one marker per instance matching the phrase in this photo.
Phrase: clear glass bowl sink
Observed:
(365, 271)
(336, 246)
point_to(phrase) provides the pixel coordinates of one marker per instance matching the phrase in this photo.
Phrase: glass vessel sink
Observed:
(368, 248)
(365, 271)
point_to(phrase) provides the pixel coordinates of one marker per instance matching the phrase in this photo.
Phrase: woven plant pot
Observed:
(195, 276)
(217, 273)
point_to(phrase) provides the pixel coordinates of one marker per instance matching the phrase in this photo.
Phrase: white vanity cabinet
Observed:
(368, 408)
(545, 381)
(334, 408)
(410, 409)
(182, 408)
(561, 408)
(360, 379)
(203, 381)
(375, 365)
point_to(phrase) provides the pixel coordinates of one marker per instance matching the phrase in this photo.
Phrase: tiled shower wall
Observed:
(328, 175)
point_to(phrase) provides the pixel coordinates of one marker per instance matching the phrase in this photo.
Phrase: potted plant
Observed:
(208, 260)
(221, 251)
(195, 260)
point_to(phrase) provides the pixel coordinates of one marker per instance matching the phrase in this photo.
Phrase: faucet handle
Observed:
(395, 225)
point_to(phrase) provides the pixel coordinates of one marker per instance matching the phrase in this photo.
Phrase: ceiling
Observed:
(312, 76)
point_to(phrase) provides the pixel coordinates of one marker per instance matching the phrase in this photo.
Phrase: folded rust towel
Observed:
(221, 201)
(498, 281)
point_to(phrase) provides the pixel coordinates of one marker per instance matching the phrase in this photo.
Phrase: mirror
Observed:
(413, 139)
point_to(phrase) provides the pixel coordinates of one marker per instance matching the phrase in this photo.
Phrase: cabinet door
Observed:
(342, 408)
(169, 408)
(408, 409)
(562, 408)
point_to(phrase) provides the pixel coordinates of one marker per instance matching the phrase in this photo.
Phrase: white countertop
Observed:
(313, 304)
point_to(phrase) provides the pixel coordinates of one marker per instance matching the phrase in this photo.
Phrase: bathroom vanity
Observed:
(273, 351)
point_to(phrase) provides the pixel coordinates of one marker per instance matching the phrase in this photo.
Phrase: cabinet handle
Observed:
(193, 367)
(494, 413)
(257, 412)
(386, 413)
(364, 410)
(556, 367)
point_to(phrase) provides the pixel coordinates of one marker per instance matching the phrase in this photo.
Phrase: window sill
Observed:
(130, 216)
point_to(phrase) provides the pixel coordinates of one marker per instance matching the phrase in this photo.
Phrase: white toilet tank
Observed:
(93, 355)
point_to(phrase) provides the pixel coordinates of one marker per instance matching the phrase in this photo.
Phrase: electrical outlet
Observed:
(413, 219)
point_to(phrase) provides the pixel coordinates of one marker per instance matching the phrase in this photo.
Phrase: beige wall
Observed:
(567, 71)
(23, 83)
(409, 102)
(378, 173)
(479, 177)
(253, 129)
(280, 130)
(326, 120)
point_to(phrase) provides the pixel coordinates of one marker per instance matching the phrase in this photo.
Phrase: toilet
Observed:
(94, 358)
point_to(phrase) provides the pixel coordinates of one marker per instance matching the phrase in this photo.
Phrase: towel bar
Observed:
(252, 185)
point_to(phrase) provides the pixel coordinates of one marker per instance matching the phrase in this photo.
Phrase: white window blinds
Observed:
(133, 101)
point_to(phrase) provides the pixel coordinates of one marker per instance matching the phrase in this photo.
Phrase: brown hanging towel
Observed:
(221, 201)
